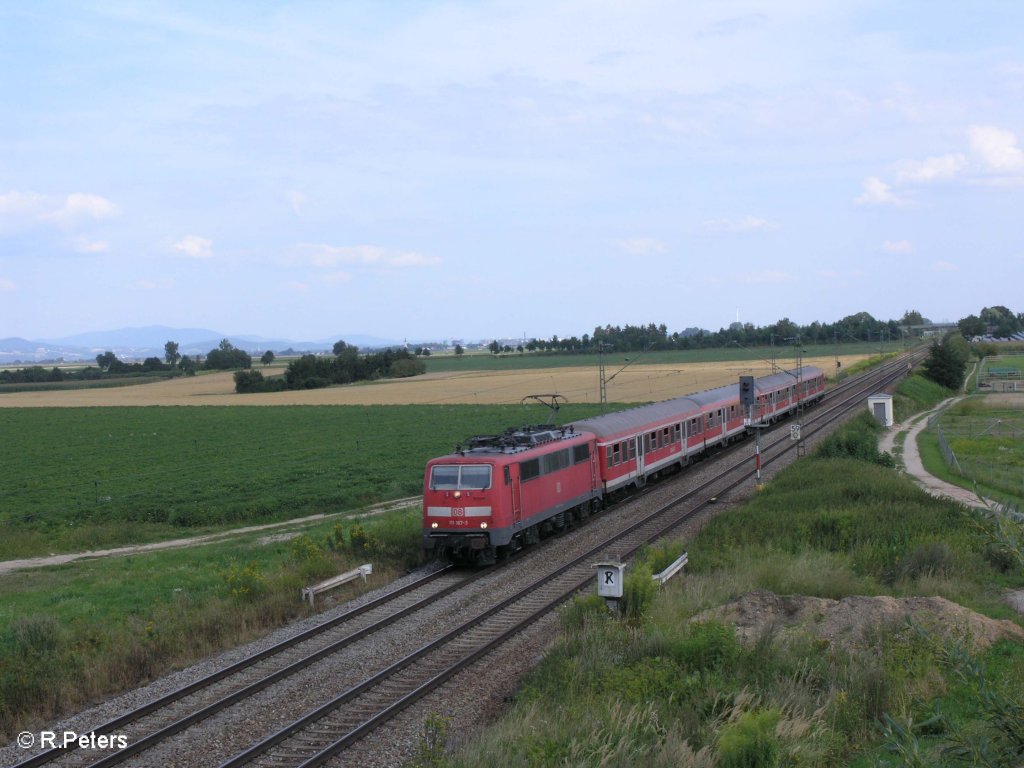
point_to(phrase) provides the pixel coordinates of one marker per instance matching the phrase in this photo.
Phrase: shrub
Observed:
(638, 591)
(750, 742)
(859, 440)
(245, 583)
(934, 558)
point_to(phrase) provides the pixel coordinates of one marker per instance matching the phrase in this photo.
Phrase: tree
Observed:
(268, 357)
(248, 381)
(912, 317)
(459, 351)
(171, 354)
(188, 366)
(227, 356)
(947, 361)
(495, 347)
(340, 347)
(105, 360)
(972, 325)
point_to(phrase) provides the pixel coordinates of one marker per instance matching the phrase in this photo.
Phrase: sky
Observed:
(433, 170)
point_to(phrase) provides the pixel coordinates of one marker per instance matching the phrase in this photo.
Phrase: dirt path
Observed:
(8, 566)
(911, 458)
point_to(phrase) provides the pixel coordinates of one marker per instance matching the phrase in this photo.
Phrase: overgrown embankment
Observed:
(677, 688)
(75, 633)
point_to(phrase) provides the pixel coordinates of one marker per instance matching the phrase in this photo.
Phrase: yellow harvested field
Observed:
(642, 383)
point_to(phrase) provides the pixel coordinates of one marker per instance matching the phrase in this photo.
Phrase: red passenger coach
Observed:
(500, 493)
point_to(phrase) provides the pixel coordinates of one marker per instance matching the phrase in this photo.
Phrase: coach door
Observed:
(641, 456)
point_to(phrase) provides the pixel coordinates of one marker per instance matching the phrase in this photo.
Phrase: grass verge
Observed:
(72, 634)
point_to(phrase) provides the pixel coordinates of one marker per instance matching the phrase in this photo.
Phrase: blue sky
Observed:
(431, 170)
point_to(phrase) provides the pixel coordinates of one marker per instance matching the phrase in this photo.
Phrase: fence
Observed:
(998, 477)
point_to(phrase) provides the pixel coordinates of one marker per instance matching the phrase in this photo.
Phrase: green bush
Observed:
(245, 583)
(638, 592)
(858, 440)
(750, 742)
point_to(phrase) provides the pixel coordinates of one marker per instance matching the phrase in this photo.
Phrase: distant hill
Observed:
(140, 343)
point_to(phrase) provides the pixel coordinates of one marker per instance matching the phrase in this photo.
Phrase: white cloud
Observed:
(994, 157)
(996, 149)
(877, 192)
(642, 246)
(931, 169)
(7, 285)
(897, 246)
(328, 256)
(944, 266)
(85, 245)
(31, 209)
(23, 204)
(194, 247)
(746, 224)
(78, 207)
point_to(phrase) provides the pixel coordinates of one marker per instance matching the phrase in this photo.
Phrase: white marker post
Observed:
(609, 582)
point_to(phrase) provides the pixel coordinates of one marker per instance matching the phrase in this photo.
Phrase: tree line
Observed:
(344, 366)
(860, 327)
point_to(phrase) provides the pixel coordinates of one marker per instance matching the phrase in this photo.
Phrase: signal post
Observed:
(748, 400)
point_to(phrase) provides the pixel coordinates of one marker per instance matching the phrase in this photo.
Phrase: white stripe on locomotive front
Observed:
(466, 511)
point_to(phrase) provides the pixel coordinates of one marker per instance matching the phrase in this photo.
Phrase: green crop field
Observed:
(82, 478)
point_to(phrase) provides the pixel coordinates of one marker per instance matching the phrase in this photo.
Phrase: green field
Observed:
(83, 478)
(989, 447)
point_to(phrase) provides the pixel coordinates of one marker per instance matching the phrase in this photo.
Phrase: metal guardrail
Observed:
(672, 570)
(336, 581)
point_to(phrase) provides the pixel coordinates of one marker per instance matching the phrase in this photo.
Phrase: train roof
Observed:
(786, 378)
(679, 408)
(515, 440)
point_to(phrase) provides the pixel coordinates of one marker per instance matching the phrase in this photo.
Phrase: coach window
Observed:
(630, 452)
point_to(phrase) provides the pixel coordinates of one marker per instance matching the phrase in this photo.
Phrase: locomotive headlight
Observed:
(433, 525)
(483, 525)
(457, 494)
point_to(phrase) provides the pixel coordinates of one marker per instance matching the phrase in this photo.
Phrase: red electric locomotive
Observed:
(501, 492)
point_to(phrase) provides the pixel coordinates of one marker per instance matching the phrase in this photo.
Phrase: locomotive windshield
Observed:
(460, 477)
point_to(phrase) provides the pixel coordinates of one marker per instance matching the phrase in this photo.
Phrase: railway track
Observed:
(174, 712)
(385, 688)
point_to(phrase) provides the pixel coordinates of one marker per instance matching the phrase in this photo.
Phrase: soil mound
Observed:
(852, 621)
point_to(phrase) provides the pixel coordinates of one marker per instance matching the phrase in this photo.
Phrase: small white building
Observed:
(880, 405)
